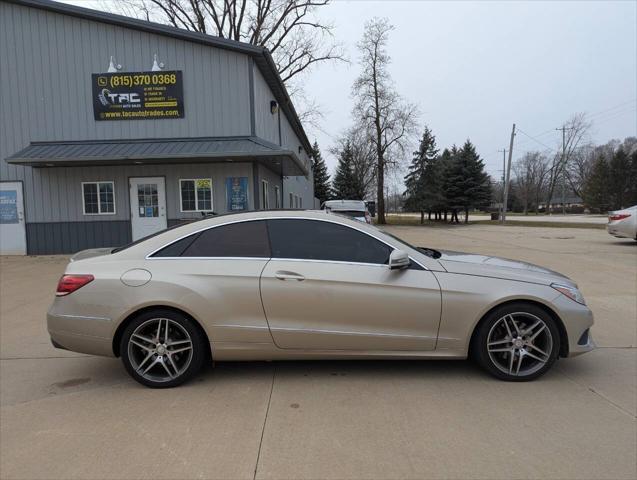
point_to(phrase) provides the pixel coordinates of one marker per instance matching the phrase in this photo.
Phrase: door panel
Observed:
(148, 206)
(338, 306)
(12, 228)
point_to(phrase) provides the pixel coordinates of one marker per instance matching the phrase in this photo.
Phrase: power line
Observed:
(534, 139)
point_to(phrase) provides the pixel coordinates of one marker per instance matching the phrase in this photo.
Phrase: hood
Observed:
(90, 253)
(497, 267)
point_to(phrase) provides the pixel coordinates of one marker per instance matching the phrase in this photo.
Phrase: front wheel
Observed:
(517, 342)
(162, 349)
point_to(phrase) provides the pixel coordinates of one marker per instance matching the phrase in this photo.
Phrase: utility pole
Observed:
(508, 176)
(504, 160)
(563, 172)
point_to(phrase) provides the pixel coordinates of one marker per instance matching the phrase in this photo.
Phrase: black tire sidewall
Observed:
(198, 345)
(480, 340)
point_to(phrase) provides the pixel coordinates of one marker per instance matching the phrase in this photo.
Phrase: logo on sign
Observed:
(107, 98)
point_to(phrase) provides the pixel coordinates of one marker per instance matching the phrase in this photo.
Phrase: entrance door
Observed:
(12, 231)
(148, 205)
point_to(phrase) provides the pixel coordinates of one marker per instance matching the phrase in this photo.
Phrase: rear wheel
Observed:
(517, 342)
(162, 349)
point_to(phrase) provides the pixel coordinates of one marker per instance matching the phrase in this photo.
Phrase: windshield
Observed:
(350, 213)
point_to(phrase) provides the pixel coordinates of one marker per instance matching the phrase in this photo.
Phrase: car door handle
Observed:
(283, 275)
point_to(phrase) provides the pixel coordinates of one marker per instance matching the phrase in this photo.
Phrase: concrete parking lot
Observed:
(65, 415)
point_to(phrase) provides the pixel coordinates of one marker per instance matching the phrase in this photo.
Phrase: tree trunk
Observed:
(429, 213)
(445, 216)
(466, 215)
(380, 207)
(379, 150)
(422, 217)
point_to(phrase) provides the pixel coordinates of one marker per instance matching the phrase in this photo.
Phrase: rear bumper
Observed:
(620, 231)
(81, 334)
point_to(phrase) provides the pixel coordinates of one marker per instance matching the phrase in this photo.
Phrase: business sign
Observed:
(138, 95)
(237, 193)
(8, 206)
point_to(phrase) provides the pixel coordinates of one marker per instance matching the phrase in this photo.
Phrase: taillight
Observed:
(618, 216)
(70, 283)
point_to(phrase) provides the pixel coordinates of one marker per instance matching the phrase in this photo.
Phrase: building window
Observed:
(291, 200)
(196, 194)
(98, 198)
(265, 197)
(300, 202)
(277, 197)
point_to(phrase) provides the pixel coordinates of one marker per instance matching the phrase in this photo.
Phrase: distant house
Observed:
(569, 202)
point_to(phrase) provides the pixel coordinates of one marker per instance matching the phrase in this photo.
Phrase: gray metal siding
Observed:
(46, 62)
(46, 92)
(70, 237)
(273, 180)
(61, 198)
(266, 124)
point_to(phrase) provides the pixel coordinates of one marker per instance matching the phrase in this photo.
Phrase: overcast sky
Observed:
(474, 68)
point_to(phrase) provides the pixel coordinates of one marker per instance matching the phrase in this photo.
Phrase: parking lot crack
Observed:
(602, 396)
(265, 421)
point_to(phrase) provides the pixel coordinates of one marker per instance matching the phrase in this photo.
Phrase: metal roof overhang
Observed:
(160, 151)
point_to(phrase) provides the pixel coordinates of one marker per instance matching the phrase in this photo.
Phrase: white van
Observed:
(355, 209)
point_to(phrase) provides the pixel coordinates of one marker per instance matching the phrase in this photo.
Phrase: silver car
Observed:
(292, 285)
(623, 223)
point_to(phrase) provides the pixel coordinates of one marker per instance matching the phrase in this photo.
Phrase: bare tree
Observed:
(579, 167)
(530, 177)
(386, 118)
(289, 29)
(574, 133)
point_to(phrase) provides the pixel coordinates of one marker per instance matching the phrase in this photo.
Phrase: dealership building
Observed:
(113, 128)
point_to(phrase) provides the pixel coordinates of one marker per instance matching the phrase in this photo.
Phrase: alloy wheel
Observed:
(519, 344)
(160, 350)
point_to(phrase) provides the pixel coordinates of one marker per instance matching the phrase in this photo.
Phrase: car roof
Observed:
(171, 234)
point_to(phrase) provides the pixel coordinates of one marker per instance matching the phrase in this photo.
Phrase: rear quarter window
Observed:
(242, 239)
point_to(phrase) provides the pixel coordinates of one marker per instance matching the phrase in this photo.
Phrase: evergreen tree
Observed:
(597, 192)
(620, 180)
(322, 189)
(345, 185)
(422, 186)
(466, 184)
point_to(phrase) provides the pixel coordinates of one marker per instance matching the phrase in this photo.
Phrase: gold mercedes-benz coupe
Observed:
(283, 285)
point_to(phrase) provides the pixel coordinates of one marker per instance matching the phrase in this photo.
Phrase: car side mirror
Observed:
(398, 260)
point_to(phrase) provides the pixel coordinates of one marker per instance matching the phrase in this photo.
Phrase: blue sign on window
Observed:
(8, 206)
(237, 193)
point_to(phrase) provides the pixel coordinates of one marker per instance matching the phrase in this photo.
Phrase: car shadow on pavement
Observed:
(350, 369)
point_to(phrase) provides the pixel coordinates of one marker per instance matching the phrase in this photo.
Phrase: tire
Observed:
(168, 361)
(517, 342)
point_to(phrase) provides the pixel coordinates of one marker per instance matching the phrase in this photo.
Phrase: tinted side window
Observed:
(316, 240)
(244, 239)
(177, 248)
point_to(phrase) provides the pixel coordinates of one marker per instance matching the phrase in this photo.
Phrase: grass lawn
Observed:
(414, 220)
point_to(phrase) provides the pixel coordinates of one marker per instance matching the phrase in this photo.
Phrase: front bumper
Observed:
(577, 320)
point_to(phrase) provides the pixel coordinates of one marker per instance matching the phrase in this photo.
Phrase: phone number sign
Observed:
(138, 95)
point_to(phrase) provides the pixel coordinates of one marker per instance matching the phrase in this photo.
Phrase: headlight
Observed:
(571, 292)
